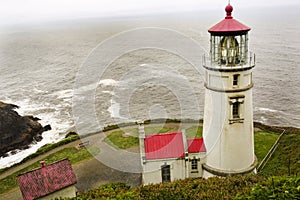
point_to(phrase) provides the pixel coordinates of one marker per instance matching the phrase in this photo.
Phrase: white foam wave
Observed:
(20, 154)
(266, 110)
(108, 82)
(85, 88)
(64, 94)
(108, 92)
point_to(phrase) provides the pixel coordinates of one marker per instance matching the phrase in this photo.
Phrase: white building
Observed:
(227, 146)
(170, 156)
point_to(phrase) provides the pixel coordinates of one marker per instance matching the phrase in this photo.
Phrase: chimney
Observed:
(142, 137)
(42, 164)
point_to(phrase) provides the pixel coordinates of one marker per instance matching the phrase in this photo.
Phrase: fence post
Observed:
(270, 153)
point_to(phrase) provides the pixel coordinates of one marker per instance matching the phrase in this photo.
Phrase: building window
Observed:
(194, 164)
(165, 173)
(235, 110)
(235, 80)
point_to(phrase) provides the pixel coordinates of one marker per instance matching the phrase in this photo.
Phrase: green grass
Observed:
(73, 154)
(194, 132)
(263, 141)
(286, 158)
(118, 139)
(158, 129)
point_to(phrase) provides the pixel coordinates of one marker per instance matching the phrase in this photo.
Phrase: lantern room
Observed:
(229, 42)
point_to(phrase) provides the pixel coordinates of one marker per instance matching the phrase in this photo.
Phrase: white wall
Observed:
(152, 170)
(202, 159)
(230, 146)
(66, 192)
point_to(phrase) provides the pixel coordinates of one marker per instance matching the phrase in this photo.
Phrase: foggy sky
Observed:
(24, 11)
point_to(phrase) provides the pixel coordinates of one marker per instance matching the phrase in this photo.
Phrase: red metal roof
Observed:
(168, 145)
(46, 180)
(196, 145)
(228, 25)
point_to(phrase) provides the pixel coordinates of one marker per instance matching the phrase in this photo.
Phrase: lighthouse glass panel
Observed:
(229, 50)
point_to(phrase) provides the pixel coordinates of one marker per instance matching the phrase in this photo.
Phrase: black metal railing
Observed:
(226, 63)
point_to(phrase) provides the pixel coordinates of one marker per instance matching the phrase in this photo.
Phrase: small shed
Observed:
(49, 181)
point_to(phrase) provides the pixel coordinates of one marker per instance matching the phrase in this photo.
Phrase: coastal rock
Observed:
(18, 132)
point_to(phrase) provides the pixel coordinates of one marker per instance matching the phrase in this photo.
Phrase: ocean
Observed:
(45, 69)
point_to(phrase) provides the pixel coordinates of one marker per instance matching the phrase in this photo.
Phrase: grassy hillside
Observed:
(286, 159)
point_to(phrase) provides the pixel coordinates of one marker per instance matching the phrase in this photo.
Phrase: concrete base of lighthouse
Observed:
(209, 171)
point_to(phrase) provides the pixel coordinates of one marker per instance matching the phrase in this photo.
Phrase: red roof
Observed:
(196, 145)
(47, 179)
(168, 145)
(228, 25)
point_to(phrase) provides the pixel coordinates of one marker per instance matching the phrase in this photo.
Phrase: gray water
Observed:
(39, 66)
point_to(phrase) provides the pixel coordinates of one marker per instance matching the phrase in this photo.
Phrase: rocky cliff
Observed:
(17, 132)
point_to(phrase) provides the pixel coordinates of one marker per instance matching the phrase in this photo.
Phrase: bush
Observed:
(192, 188)
(276, 188)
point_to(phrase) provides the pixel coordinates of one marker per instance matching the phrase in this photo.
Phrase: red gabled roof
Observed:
(47, 179)
(168, 145)
(228, 25)
(196, 145)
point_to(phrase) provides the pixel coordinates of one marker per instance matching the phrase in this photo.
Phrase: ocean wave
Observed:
(266, 110)
(17, 155)
(64, 94)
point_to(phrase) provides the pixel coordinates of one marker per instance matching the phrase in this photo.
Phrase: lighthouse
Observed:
(228, 113)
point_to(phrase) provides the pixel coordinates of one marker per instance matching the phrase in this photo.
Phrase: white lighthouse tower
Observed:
(228, 113)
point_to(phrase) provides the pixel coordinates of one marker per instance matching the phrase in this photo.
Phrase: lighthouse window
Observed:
(235, 109)
(235, 79)
(236, 106)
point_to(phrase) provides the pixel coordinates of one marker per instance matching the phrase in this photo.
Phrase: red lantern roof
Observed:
(228, 26)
